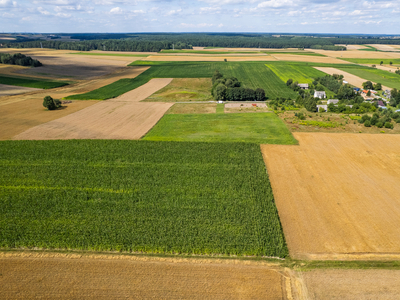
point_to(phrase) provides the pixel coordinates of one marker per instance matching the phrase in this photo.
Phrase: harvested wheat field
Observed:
(208, 58)
(350, 284)
(357, 54)
(352, 47)
(338, 195)
(121, 118)
(116, 277)
(6, 90)
(382, 47)
(350, 78)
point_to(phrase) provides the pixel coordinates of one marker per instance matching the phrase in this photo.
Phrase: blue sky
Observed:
(304, 16)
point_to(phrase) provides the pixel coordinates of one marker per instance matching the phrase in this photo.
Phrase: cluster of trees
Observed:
(368, 85)
(332, 83)
(230, 89)
(329, 47)
(50, 103)
(397, 72)
(395, 98)
(282, 102)
(19, 59)
(380, 120)
(357, 108)
(105, 45)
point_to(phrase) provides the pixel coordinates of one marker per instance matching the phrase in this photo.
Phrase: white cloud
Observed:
(174, 12)
(275, 4)
(116, 10)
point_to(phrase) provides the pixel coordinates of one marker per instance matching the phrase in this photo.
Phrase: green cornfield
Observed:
(138, 196)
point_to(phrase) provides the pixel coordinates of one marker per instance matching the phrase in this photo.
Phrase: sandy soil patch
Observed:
(105, 278)
(351, 284)
(350, 78)
(245, 107)
(207, 58)
(306, 58)
(338, 195)
(6, 90)
(120, 118)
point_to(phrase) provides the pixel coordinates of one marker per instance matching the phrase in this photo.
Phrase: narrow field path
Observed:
(124, 117)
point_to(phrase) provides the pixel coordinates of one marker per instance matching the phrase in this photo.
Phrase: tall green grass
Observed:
(153, 197)
(261, 128)
(386, 78)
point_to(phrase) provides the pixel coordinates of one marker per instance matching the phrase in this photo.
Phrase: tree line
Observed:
(19, 59)
(230, 89)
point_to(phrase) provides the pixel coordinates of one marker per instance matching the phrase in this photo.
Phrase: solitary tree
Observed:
(51, 103)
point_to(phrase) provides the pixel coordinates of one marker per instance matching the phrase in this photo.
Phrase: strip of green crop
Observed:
(252, 75)
(301, 74)
(261, 128)
(32, 83)
(140, 196)
(374, 61)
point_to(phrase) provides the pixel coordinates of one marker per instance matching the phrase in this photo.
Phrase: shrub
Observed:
(389, 125)
(367, 123)
(379, 124)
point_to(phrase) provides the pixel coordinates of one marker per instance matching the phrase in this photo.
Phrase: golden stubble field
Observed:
(73, 276)
(124, 117)
(338, 195)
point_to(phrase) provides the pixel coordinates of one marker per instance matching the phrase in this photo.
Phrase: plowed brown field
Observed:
(76, 277)
(6, 90)
(338, 195)
(121, 118)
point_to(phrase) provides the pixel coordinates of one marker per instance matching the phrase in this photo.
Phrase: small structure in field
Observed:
(320, 95)
(334, 101)
(303, 86)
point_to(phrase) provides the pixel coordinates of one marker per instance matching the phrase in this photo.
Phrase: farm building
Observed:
(321, 107)
(320, 95)
(303, 86)
(334, 101)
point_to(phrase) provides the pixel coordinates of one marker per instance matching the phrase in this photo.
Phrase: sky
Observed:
(284, 16)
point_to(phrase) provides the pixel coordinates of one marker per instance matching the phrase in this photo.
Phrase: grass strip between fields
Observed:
(188, 198)
(261, 128)
(32, 83)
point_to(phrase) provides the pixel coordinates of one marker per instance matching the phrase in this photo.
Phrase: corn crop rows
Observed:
(155, 197)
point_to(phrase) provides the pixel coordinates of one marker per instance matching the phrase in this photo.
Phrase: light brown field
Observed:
(338, 195)
(245, 107)
(352, 47)
(208, 58)
(108, 277)
(306, 58)
(6, 90)
(386, 47)
(350, 284)
(350, 78)
(120, 118)
(357, 54)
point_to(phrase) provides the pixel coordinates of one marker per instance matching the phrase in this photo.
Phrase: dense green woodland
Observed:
(156, 42)
(19, 59)
(153, 197)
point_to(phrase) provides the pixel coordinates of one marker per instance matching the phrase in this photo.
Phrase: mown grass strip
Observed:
(261, 128)
(32, 83)
(189, 198)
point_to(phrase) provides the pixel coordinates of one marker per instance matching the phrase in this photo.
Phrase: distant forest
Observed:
(146, 42)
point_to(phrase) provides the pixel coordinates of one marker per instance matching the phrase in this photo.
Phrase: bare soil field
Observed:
(305, 58)
(184, 90)
(60, 64)
(350, 78)
(352, 47)
(350, 284)
(120, 118)
(6, 90)
(193, 108)
(245, 107)
(116, 277)
(386, 47)
(208, 58)
(338, 195)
